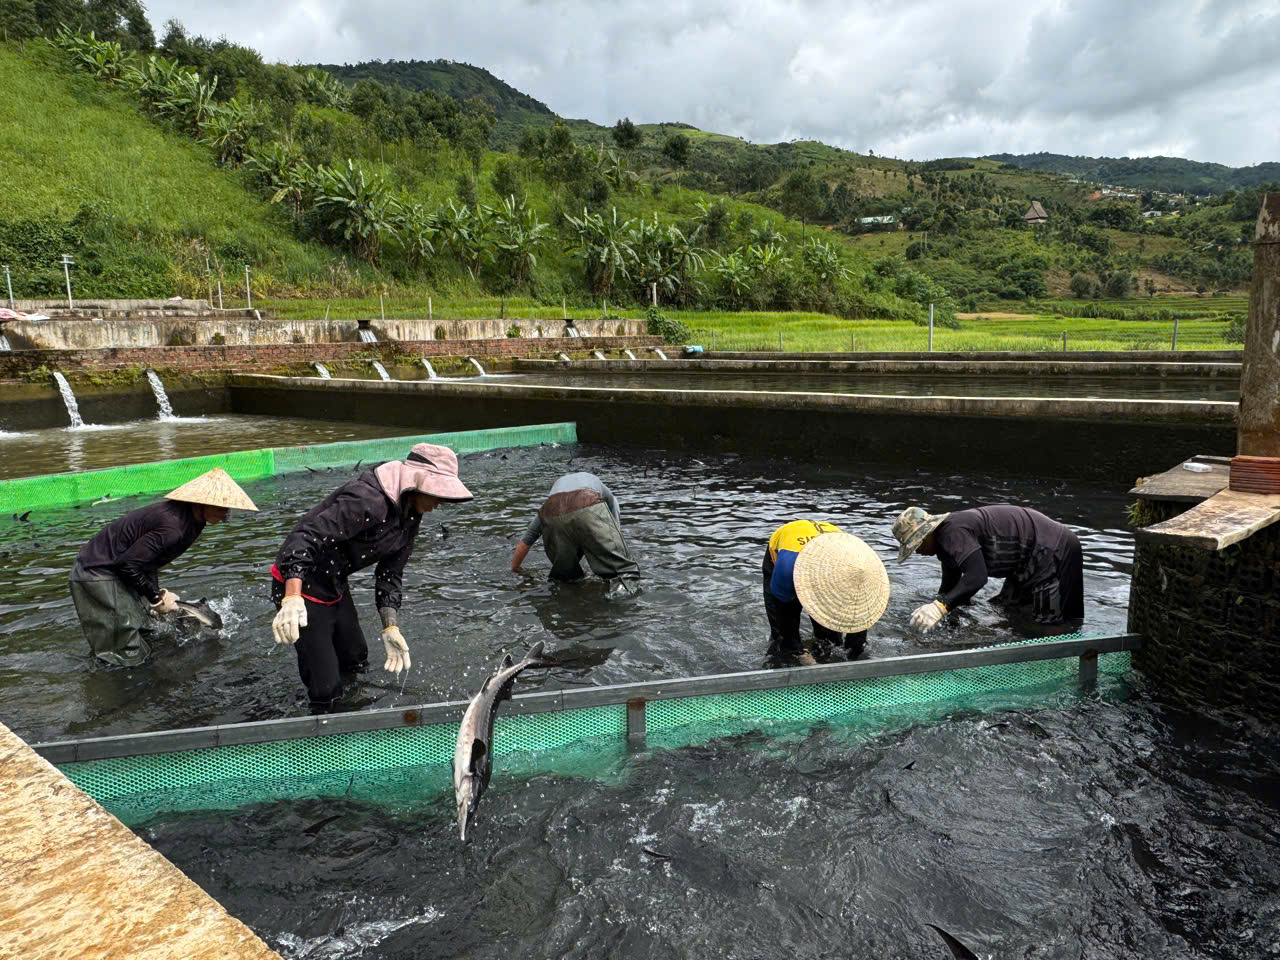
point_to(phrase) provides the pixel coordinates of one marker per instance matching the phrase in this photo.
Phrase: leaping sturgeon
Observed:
(473, 757)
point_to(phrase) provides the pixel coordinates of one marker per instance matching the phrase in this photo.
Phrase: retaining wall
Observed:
(242, 357)
(89, 330)
(1179, 356)
(1113, 441)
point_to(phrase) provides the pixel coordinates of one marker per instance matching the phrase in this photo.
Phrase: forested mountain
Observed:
(461, 81)
(1169, 174)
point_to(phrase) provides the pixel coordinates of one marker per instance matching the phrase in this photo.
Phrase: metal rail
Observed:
(633, 695)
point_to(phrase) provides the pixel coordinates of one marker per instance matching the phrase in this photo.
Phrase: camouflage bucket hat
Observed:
(911, 527)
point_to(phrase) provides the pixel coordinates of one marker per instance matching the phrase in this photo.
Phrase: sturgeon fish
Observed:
(473, 757)
(191, 617)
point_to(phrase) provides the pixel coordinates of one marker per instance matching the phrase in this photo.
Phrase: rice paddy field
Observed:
(801, 331)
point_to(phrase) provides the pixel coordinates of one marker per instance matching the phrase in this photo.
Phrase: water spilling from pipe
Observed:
(476, 363)
(431, 371)
(630, 355)
(598, 355)
(382, 371)
(564, 357)
(162, 398)
(323, 371)
(660, 353)
(69, 398)
(4, 344)
(367, 336)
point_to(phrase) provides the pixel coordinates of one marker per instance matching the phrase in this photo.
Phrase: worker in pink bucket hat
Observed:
(370, 520)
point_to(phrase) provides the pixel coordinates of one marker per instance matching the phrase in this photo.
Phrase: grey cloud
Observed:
(920, 78)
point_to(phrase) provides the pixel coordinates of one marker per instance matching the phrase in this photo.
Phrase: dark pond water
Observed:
(1226, 389)
(63, 449)
(1086, 828)
(698, 527)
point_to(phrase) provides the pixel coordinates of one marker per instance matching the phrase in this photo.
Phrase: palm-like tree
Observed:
(362, 207)
(517, 235)
(605, 248)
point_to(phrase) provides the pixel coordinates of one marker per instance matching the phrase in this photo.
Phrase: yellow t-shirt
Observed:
(784, 546)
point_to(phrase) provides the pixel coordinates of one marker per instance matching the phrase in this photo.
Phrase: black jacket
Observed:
(355, 526)
(133, 547)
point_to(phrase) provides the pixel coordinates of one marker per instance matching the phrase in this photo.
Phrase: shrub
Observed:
(439, 334)
(515, 331)
(1234, 332)
(217, 340)
(671, 330)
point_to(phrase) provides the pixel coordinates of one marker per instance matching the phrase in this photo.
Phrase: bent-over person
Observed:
(579, 519)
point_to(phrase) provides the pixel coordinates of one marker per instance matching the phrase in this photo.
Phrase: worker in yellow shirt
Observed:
(837, 579)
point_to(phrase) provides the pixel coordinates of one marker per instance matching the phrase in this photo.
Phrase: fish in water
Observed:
(192, 617)
(473, 757)
(958, 950)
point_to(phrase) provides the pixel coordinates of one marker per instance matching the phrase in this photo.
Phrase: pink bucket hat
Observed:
(428, 469)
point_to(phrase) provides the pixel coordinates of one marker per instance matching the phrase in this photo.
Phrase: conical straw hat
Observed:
(214, 489)
(841, 582)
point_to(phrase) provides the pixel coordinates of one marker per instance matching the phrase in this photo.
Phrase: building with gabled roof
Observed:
(1035, 213)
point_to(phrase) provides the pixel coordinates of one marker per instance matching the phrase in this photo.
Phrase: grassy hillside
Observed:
(139, 208)
(1169, 174)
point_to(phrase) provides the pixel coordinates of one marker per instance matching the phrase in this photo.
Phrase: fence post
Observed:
(9, 282)
(653, 289)
(564, 311)
(1174, 345)
(248, 290)
(780, 341)
(219, 293)
(66, 262)
(429, 316)
(382, 307)
(713, 341)
(1064, 341)
(931, 328)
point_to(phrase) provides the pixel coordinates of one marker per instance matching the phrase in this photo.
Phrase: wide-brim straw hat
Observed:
(213, 489)
(911, 527)
(430, 469)
(841, 582)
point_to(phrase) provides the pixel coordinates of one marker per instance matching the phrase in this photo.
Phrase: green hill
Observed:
(1167, 174)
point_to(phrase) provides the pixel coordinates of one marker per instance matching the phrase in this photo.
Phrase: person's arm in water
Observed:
(965, 583)
(530, 537)
(517, 558)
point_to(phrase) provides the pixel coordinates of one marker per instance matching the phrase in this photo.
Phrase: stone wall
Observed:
(255, 358)
(151, 329)
(1209, 621)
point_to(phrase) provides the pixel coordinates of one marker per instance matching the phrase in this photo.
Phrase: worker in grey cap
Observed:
(579, 519)
(1039, 558)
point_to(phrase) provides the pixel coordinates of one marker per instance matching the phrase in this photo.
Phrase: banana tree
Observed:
(362, 207)
(605, 248)
(517, 235)
(229, 128)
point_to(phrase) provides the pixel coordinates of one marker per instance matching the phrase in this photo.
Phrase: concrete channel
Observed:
(1107, 440)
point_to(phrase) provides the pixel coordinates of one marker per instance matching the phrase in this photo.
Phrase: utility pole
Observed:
(9, 282)
(1259, 434)
(66, 262)
(931, 328)
(248, 291)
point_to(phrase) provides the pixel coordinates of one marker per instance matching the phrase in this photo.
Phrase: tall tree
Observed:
(802, 197)
(627, 136)
(676, 150)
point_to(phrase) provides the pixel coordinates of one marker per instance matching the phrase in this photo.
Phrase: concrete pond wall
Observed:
(1107, 440)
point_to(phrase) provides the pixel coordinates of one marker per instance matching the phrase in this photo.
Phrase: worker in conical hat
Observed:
(115, 584)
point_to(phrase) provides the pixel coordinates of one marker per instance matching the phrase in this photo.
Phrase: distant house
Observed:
(1035, 213)
(885, 221)
(1151, 214)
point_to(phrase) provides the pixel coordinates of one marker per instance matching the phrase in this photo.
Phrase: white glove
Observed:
(926, 617)
(397, 650)
(291, 618)
(166, 604)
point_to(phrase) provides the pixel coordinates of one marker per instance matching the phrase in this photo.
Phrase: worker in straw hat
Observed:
(1039, 558)
(369, 521)
(114, 583)
(837, 579)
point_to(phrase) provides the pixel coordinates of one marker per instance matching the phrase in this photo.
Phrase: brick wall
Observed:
(1209, 621)
(256, 358)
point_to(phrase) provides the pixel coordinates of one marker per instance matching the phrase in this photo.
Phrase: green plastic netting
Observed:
(410, 764)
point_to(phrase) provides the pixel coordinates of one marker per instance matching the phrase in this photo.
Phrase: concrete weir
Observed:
(1109, 440)
(76, 882)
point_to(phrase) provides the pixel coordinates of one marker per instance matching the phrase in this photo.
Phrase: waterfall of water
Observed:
(367, 336)
(162, 398)
(323, 371)
(476, 363)
(69, 398)
(431, 371)
(630, 355)
(4, 343)
(382, 371)
(599, 355)
(563, 356)
(660, 354)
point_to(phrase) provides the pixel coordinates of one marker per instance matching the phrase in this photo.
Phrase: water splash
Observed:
(476, 363)
(4, 344)
(382, 371)
(660, 353)
(323, 371)
(367, 336)
(162, 398)
(69, 398)
(431, 371)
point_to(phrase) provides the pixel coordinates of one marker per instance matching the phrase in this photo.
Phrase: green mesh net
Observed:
(410, 764)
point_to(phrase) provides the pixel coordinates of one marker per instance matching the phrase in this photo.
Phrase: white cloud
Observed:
(911, 78)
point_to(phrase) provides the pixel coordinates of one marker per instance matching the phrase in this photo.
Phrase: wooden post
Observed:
(1259, 433)
(1174, 344)
(429, 308)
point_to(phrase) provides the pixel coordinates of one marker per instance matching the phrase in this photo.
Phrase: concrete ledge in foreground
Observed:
(75, 882)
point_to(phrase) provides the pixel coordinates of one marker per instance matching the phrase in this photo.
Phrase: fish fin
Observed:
(478, 750)
(507, 662)
(958, 950)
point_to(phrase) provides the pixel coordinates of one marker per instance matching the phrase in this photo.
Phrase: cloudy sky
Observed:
(908, 78)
